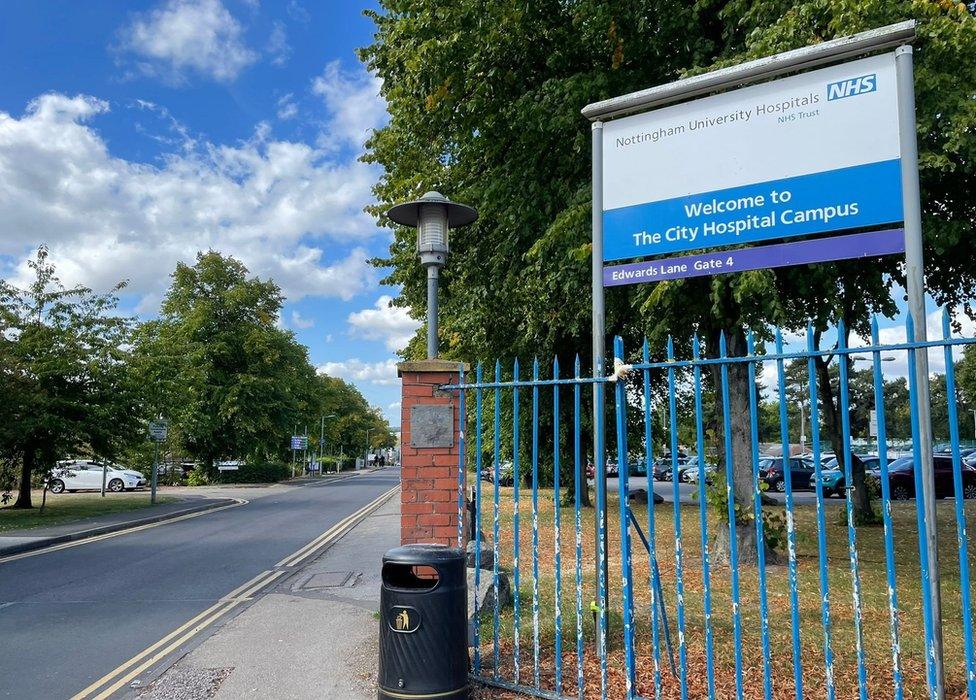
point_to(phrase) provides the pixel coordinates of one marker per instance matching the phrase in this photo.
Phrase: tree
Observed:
(63, 380)
(233, 383)
(484, 103)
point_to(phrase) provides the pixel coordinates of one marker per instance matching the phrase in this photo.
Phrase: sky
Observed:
(135, 134)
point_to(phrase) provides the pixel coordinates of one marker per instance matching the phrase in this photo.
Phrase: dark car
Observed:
(771, 472)
(901, 477)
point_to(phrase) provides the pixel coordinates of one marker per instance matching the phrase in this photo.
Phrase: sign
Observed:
(158, 430)
(807, 154)
(299, 442)
(431, 426)
(404, 619)
(857, 245)
(873, 426)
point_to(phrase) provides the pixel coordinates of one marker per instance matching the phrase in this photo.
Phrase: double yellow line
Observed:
(110, 683)
(334, 532)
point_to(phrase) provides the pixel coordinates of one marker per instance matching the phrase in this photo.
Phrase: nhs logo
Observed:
(852, 86)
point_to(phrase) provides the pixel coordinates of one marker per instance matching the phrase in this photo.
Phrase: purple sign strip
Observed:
(856, 245)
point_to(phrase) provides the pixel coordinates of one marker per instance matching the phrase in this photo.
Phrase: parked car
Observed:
(901, 478)
(84, 474)
(692, 463)
(506, 474)
(693, 474)
(771, 472)
(832, 478)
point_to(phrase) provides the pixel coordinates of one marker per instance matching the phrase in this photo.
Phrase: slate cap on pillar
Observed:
(431, 366)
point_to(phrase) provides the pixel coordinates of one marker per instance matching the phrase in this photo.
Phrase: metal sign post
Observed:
(157, 433)
(915, 279)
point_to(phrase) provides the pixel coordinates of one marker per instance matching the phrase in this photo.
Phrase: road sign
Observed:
(158, 430)
(811, 153)
(857, 245)
(299, 442)
(873, 428)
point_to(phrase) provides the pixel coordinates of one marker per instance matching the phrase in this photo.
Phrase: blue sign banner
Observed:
(846, 198)
(856, 245)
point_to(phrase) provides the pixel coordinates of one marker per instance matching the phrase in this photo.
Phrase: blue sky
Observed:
(134, 134)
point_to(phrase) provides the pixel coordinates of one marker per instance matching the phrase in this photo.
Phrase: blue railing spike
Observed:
(841, 328)
(555, 367)
(721, 344)
(874, 327)
(909, 328)
(695, 346)
(576, 365)
(646, 347)
(945, 323)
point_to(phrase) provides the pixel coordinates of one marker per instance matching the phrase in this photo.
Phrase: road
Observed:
(69, 617)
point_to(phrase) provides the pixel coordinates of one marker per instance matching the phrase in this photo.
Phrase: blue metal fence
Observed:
(839, 610)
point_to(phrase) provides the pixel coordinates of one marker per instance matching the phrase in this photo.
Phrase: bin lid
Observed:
(420, 554)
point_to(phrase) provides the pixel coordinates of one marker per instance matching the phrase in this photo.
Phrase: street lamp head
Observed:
(434, 215)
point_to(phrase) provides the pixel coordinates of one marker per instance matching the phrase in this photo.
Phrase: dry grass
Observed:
(874, 602)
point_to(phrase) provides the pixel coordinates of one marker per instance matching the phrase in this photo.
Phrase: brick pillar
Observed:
(428, 453)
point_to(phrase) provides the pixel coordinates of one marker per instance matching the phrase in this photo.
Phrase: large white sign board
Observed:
(811, 153)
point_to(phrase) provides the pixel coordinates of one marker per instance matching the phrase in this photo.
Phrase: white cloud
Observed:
(288, 210)
(287, 109)
(188, 36)
(390, 324)
(298, 12)
(300, 322)
(355, 370)
(395, 406)
(278, 47)
(354, 105)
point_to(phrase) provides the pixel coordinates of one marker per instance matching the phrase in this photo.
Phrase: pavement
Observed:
(95, 617)
(313, 635)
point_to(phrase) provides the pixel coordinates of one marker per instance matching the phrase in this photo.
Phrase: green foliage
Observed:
(774, 517)
(218, 366)
(63, 380)
(257, 473)
(198, 477)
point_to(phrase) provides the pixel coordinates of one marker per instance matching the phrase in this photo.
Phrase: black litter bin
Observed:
(423, 624)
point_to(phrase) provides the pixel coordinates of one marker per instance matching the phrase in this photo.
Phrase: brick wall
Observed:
(428, 475)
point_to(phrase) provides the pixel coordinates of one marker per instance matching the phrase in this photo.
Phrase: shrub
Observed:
(257, 473)
(197, 477)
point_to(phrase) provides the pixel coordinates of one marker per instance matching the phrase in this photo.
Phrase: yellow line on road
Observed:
(153, 654)
(331, 533)
(117, 533)
(176, 638)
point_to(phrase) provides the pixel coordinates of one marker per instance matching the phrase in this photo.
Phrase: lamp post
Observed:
(366, 455)
(862, 358)
(322, 441)
(434, 215)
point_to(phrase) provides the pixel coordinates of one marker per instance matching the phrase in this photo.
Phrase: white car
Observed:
(82, 474)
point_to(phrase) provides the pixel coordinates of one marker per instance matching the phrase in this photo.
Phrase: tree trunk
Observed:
(861, 498)
(26, 467)
(741, 438)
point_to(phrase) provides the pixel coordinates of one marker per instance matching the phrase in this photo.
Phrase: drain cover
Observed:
(328, 579)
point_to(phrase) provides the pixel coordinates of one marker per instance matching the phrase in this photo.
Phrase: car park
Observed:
(88, 475)
(506, 474)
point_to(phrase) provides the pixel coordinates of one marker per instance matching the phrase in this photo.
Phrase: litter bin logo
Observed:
(403, 619)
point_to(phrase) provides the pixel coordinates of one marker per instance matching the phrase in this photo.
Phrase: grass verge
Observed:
(70, 507)
(875, 616)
